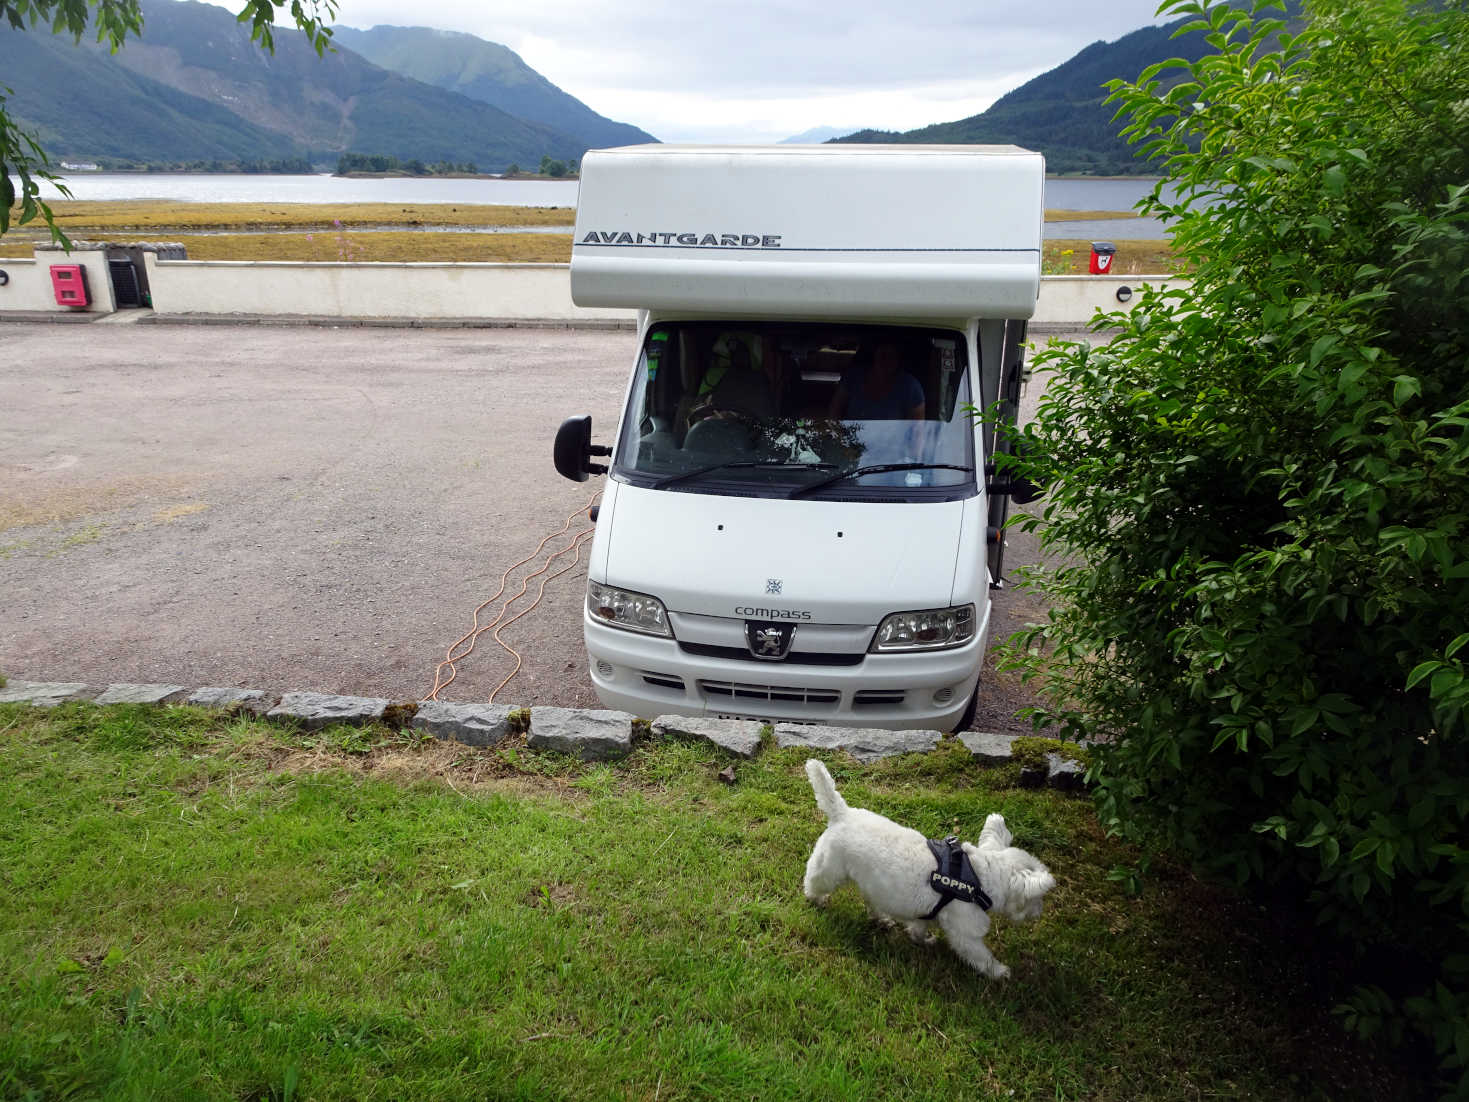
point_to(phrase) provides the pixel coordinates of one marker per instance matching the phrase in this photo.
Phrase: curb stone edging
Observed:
(471, 724)
(990, 748)
(589, 734)
(232, 700)
(866, 744)
(738, 736)
(317, 710)
(44, 694)
(127, 693)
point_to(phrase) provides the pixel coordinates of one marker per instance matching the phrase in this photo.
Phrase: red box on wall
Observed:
(69, 283)
(1102, 253)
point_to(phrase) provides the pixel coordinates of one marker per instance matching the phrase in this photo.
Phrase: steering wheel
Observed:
(720, 413)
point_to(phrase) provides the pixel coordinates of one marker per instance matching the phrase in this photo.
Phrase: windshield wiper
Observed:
(876, 468)
(736, 464)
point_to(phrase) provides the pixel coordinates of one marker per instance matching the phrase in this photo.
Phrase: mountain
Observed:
(1060, 113)
(82, 103)
(194, 87)
(487, 72)
(817, 134)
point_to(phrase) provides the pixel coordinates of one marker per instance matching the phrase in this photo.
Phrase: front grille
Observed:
(878, 698)
(795, 657)
(784, 694)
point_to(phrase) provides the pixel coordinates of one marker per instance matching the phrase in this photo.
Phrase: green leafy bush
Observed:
(1261, 491)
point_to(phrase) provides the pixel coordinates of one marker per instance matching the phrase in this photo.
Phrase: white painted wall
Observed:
(487, 291)
(29, 287)
(365, 290)
(1073, 299)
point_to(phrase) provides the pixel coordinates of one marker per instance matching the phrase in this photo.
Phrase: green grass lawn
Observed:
(193, 906)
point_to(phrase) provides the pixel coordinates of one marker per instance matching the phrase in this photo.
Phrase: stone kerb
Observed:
(317, 710)
(43, 694)
(589, 734)
(212, 696)
(586, 734)
(141, 694)
(866, 744)
(471, 724)
(737, 736)
(997, 749)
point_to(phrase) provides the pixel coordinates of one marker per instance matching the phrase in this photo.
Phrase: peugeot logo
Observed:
(771, 642)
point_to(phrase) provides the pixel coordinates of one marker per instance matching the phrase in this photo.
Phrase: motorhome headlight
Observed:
(620, 608)
(927, 629)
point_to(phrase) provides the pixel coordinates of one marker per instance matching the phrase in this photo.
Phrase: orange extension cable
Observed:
(499, 623)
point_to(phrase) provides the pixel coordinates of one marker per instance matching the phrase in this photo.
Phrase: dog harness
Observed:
(955, 877)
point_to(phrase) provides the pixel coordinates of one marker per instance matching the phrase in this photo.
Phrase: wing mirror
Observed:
(1022, 490)
(574, 449)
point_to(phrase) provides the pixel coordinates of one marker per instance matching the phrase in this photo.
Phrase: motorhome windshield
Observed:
(821, 409)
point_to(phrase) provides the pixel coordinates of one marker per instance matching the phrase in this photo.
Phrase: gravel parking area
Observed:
(300, 507)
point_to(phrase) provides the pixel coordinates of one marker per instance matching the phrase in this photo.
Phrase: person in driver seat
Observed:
(878, 387)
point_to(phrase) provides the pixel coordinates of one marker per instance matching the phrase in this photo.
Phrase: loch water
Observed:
(1062, 193)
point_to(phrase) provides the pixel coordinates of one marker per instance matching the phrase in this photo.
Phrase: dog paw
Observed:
(999, 972)
(818, 900)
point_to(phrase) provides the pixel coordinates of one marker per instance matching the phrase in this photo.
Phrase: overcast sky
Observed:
(759, 71)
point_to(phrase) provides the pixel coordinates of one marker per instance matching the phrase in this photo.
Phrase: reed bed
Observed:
(337, 232)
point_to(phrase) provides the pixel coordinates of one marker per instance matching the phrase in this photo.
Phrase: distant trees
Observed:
(283, 166)
(280, 166)
(348, 163)
(551, 167)
(378, 162)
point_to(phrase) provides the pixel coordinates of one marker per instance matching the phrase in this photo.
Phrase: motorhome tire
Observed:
(967, 719)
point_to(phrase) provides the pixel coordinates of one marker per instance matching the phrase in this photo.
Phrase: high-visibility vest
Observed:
(657, 345)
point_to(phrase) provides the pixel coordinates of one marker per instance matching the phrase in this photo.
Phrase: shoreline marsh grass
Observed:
(199, 906)
(390, 246)
(141, 214)
(263, 232)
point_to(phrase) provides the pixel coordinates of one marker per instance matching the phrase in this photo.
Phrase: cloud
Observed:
(757, 69)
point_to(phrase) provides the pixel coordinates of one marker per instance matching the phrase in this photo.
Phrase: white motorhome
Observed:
(801, 516)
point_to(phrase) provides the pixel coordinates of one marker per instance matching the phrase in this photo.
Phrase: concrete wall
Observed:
(426, 291)
(29, 287)
(1072, 300)
(509, 291)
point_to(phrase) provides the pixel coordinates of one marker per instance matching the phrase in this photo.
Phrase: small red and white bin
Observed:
(1102, 254)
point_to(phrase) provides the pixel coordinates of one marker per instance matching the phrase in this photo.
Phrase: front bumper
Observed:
(651, 676)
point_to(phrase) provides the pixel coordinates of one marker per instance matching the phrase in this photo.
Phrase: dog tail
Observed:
(827, 797)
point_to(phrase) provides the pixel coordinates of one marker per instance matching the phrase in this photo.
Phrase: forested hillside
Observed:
(82, 103)
(194, 88)
(488, 72)
(1060, 113)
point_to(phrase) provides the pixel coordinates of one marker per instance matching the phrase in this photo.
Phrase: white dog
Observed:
(892, 865)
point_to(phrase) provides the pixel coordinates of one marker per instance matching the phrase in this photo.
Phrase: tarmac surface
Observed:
(306, 508)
